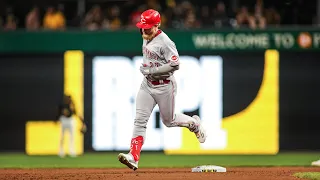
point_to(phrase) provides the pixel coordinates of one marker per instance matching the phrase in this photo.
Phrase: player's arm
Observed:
(83, 128)
(171, 55)
(164, 69)
(73, 108)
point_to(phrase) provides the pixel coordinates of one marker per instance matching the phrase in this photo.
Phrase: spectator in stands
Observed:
(94, 18)
(10, 23)
(272, 16)
(220, 17)
(205, 16)
(153, 4)
(258, 18)
(167, 15)
(112, 21)
(32, 21)
(54, 19)
(180, 13)
(243, 18)
(190, 20)
(10, 20)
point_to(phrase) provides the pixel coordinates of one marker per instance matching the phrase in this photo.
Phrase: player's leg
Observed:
(62, 134)
(144, 106)
(165, 97)
(166, 101)
(72, 124)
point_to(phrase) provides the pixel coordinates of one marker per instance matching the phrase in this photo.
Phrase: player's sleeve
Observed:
(170, 53)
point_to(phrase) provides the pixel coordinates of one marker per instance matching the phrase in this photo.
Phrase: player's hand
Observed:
(81, 118)
(83, 128)
(145, 70)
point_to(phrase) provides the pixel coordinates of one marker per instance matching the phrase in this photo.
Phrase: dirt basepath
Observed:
(239, 173)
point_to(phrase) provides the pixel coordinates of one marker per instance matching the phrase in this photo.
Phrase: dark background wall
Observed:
(299, 100)
(31, 86)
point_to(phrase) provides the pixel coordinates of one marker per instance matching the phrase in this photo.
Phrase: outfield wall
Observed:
(252, 100)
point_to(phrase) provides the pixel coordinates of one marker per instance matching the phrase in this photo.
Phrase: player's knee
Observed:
(141, 122)
(167, 122)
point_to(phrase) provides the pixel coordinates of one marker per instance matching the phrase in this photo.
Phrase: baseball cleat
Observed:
(61, 155)
(127, 159)
(315, 163)
(199, 131)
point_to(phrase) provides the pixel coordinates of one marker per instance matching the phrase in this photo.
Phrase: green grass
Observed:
(308, 175)
(104, 160)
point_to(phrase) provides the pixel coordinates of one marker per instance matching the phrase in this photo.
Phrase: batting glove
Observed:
(146, 70)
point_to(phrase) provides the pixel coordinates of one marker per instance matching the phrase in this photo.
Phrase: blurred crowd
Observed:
(175, 14)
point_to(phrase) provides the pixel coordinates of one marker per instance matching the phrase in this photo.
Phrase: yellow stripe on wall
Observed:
(73, 86)
(73, 77)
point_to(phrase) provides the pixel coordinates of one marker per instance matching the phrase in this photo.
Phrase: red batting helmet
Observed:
(148, 19)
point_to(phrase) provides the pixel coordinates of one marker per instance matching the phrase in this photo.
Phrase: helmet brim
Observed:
(144, 26)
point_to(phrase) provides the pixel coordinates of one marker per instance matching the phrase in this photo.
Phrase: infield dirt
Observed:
(239, 173)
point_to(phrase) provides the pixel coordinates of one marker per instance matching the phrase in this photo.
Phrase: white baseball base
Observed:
(209, 168)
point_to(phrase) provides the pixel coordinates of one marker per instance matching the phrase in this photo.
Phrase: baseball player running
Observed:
(159, 87)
